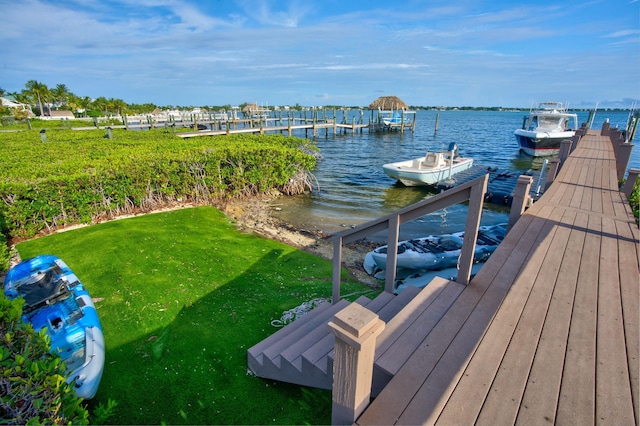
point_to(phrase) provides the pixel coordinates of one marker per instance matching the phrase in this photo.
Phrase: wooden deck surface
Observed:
(548, 331)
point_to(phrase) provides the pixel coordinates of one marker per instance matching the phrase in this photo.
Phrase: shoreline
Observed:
(253, 215)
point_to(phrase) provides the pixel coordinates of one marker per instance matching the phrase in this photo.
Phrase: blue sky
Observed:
(332, 52)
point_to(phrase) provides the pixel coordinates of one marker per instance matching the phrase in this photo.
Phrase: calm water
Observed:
(352, 187)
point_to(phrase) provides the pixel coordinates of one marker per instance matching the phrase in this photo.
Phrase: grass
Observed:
(181, 296)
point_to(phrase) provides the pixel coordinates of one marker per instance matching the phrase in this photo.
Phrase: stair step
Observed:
(302, 351)
(395, 305)
(406, 342)
(386, 306)
(321, 346)
(408, 314)
(325, 346)
(307, 325)
(282, 359)
(408, 328)
(316, 355)
(379, 301)
(257, 349)
(302, 343)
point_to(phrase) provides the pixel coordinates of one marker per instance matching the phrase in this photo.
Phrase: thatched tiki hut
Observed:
(251, 108)
(388, 103)
(254, 111)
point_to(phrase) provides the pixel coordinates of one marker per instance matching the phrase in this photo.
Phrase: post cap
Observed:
(356, 319)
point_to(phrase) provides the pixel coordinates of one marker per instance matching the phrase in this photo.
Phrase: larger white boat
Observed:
(545, 128)
(434, 167)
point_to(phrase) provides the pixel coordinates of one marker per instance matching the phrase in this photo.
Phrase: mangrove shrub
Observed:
(73, 177)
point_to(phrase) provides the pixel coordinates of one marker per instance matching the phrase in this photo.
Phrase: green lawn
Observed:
(181, 296)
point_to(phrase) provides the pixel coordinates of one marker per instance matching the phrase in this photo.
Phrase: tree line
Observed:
(43, 99)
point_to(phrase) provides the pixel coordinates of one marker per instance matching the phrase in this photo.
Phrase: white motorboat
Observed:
(434, 167)
(545, 128)
(396, 118)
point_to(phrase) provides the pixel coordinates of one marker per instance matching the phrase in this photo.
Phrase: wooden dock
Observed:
(263, 127)
(218, 124)
(548, 331)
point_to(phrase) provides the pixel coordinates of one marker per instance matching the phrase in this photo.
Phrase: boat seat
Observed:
(430, 160)
(433, 160)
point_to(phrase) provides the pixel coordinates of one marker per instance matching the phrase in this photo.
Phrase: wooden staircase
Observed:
(302, 352)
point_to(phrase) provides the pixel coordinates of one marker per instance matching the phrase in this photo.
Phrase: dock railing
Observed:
(472, 191)
(622, 149)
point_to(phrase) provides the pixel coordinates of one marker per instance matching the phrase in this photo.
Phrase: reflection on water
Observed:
(353, 189)
(398, 196)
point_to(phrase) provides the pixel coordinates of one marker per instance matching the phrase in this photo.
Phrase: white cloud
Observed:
(148, 50)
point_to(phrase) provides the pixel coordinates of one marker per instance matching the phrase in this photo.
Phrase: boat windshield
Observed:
(555, 124)
(552, 123)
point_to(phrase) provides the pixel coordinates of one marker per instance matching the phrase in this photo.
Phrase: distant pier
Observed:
(272, 125)
(313, 122)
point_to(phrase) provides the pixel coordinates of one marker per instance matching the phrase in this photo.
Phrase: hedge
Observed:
(81, 176)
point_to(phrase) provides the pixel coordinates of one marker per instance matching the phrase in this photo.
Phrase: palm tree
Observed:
(80, 104)
(37, 91)
(118, 105)
(24, 110)
(101, 103)
(61, 94)
(19, 97)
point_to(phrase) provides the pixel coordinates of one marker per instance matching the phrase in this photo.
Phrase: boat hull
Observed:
(409, 172)
(541, 144)
(56, 301)
(396, 122)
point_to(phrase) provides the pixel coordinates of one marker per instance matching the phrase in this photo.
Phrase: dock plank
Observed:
(503, 400)
(578, 192)
(614, 402)
(579, 372)
(599, 198)
(539, 402)
(618, 201)
(591, 195)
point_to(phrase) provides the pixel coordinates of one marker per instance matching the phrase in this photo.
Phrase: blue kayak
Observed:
(57, 301)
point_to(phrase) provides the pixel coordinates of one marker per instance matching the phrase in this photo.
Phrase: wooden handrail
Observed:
(622, 151)
(472, 191)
